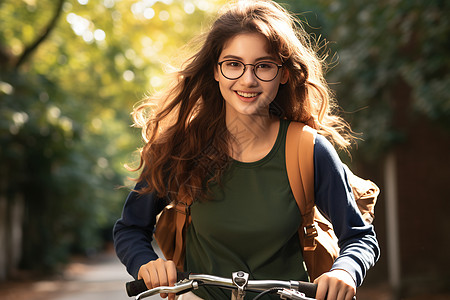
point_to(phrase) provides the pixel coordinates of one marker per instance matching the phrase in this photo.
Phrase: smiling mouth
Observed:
(247, 95)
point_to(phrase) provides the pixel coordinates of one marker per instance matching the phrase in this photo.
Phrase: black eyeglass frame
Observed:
(254, 68)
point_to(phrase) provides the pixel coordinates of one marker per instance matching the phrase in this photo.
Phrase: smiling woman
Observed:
(215, 146)
(248, 82)
(243, 91)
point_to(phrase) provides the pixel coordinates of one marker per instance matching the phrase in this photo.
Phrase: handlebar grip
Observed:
(307, 288)
(310, 289)
(136, 287)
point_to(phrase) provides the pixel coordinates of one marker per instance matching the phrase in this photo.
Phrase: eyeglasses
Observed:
(264, 71)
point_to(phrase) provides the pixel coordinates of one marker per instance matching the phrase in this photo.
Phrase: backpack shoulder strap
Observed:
(319, 244)
(300, 168)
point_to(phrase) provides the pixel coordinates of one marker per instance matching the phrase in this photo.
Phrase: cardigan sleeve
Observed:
(359, 249)
(133, 232)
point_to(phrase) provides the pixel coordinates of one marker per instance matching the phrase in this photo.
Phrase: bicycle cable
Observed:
(269, 291)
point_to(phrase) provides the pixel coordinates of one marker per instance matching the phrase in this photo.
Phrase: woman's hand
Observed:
(335, 285)
(159, 273)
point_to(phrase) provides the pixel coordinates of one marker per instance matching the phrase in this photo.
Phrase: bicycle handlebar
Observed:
(188, 282)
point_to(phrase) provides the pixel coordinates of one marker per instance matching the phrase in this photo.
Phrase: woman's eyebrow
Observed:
(268, 57)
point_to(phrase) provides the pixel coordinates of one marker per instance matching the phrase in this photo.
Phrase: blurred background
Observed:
(71, 72)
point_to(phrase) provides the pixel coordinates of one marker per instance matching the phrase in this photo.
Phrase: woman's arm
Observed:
(359, 248)
(134, 230)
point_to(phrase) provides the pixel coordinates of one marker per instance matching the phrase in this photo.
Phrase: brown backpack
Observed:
(316, 233)
(170, 232)
(317, 237)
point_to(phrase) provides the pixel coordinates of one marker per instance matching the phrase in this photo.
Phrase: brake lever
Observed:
(292, 294)
(179, 288)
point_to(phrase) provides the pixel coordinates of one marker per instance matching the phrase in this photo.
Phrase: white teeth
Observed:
(247, 95)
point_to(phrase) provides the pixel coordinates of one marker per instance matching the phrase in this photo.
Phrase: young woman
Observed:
(218, 137)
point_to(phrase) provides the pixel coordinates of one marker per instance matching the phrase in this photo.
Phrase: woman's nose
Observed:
(249, 76)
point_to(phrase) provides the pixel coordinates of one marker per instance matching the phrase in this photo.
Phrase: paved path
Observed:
(101, 278)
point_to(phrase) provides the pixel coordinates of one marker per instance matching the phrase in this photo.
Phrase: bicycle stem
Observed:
(240, 280)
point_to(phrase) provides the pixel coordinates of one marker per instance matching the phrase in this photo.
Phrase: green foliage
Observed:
(65, 111)
(386, 50)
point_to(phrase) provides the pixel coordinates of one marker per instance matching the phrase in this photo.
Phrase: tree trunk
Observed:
(3, 245)
(3, 226)
(11, 229)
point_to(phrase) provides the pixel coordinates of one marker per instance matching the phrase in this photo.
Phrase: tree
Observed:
(383, 47)
(391, 79)
(70, 75)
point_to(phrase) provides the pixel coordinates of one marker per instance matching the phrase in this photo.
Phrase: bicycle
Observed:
(239, 283)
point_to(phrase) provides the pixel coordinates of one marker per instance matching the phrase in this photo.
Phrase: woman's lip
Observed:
(247, 96)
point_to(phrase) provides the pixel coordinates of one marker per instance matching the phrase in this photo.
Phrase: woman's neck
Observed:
(252, 136)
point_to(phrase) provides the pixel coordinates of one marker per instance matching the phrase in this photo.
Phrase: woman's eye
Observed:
(233, 64)
(265, 66)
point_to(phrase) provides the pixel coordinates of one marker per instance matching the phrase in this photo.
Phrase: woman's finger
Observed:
(171, 276)
(145, 275)
(322, 288)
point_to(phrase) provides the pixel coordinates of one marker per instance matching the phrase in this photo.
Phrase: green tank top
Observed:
(251, 224)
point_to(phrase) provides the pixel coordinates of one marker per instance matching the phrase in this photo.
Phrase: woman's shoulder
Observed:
(321, 143)
(324, 152)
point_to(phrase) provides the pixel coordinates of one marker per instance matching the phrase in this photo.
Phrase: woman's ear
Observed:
(216, 73)
(284, 76)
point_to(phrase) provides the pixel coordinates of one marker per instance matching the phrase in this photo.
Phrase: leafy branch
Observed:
(28, 51)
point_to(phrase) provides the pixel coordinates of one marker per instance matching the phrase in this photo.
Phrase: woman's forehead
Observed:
(247, 45)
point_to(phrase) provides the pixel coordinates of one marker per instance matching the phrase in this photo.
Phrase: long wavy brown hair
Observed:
(186, 138)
